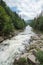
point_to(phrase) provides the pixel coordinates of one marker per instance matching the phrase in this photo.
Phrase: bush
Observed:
(40, 56)
(8, 27)
(41, 64)
(22, 61)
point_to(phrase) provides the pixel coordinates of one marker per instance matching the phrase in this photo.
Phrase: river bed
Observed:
(14, 47)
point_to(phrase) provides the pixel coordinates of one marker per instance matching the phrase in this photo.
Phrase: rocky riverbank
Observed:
(2, 38)
(35, 45)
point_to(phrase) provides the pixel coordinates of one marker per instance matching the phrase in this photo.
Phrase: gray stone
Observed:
(1, 39)
(32, 59)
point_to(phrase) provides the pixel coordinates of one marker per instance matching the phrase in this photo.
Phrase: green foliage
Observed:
(2, 3)
(2, 17)
(41, 64)
(19, 24)
(21, 61)
(37, 23)
(9, 20)
(8, 26)
(40, 56)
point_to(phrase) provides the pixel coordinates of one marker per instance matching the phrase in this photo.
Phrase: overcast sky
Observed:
(28, 9)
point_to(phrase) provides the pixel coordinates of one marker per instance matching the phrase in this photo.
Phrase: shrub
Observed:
(40, 56)
(41, 64)
(22, 61)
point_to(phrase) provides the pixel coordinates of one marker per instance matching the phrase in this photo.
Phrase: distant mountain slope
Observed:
(28, 22)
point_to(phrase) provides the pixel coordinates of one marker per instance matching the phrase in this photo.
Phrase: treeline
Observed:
(9, 21)
(37, 23)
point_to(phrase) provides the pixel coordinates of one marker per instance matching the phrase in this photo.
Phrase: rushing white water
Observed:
(10, 49)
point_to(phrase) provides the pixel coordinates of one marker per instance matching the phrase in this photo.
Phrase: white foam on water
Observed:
(14, 46)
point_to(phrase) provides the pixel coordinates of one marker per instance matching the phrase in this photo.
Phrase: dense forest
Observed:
(37, 23)
(9, 21)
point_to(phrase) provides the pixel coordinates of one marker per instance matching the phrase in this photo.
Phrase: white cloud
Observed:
(28, 8)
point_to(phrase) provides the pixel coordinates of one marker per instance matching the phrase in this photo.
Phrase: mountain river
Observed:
(14, 47)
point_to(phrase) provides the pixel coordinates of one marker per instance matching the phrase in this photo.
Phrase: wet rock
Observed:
(15, 61)
(1, 39)
(35, 37)
(10, 36)
(41, 37)
(34, 51)
(24, 55)
(5, 37)
(6, 44)
(27, 48)
(41, 48)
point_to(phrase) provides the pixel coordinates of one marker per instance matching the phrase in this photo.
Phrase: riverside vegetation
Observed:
(37, 23)
(9, 21)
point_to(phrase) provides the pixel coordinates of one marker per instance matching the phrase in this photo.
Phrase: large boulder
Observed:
(41, 37)
(32, 59)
